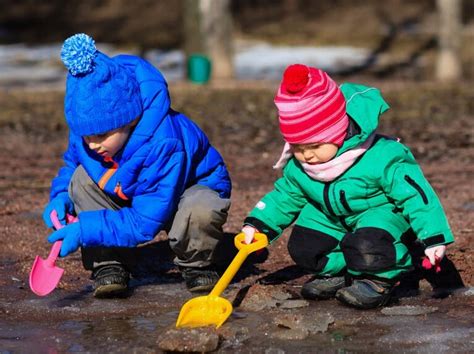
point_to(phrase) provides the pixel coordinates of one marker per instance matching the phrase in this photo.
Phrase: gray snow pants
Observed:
(193, 234)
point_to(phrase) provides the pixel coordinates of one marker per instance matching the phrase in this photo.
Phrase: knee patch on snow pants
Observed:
(308, 248)
(369, 249)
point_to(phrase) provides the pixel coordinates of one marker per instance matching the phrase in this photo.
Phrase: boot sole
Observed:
(201, 288)
(110, 291)
(350, 300)
(322, 293)
(309, 295)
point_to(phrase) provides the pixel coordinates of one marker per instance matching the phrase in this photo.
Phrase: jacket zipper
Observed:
(326, 199)
(331, 210)
(345, 204)
(418, 188)
(119, 192)
(109, 173)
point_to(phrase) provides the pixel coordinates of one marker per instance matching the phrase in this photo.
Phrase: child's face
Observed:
(109, 143)
(314, 153)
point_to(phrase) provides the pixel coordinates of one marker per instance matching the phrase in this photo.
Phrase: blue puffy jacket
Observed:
(165, 154)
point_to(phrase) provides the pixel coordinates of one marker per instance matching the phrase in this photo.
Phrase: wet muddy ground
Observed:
(269, 315)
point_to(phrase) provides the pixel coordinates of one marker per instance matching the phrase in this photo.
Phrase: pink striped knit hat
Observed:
(311, 107)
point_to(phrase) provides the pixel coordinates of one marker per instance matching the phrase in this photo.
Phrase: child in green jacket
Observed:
(352, 194)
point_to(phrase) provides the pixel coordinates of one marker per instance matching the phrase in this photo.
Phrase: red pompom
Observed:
(295, 78)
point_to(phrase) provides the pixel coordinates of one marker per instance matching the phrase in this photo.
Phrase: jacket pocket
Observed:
(418, 188)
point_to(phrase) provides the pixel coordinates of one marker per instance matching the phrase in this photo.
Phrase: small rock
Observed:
(312, 324)
(319, 323)
(232, 336)
(293, 304)
(291, 334)
(468, 206)
(231, 332)
(408, 310)
(469, 292)
(279, 294)
(202, 340)
(274, 351)
(288, 320)
(258, 304)
(238, 315)
(71, 308)
(261, 297)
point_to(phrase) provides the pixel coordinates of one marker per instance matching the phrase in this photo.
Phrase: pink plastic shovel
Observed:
(45, 275)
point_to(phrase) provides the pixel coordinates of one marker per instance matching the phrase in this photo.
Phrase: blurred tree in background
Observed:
(143, 23)
(401, 30)
(448, 65)
(208, 30)
(159, 23)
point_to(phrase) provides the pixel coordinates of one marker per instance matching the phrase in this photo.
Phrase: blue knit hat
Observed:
(101, 94)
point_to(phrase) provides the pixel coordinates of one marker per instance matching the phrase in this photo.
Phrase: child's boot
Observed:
(365, 293)
(322, 288)
(110, 281)
(200, 279)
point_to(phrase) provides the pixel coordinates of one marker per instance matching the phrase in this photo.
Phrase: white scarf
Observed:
(328, 171)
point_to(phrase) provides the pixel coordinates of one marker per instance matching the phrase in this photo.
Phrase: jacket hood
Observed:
(155, 100)
(364, 105)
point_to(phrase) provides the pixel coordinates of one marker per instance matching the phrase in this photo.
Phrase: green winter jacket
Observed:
(386, 175)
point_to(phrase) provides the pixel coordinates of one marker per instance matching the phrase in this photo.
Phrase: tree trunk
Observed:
(193, 36)
(448, 66)
(290, 8)
(208, 31)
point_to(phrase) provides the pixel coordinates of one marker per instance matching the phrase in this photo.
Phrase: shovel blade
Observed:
(204, 311)
(44, 277)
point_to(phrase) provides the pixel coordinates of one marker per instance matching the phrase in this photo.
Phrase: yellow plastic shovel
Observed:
(212, 309)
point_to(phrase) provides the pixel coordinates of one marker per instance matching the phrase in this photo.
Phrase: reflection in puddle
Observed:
(104, 335)
(118, 326)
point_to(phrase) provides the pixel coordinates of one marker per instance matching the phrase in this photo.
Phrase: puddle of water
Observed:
(253, 332)
(432, 334)
(104, 335)
(76, 322)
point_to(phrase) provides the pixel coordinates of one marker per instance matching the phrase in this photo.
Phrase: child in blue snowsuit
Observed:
(134, 167)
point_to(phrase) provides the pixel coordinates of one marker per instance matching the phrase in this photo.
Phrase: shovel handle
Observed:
(53, 254)
(56, 223)
(244, 251)
(259, 241)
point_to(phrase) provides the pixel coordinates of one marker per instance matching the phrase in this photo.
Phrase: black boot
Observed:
(322, 288)
(365, 293)
(200, 279)
(110, 281)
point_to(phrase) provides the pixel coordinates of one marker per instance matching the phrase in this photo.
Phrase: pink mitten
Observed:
(427, 264)
(249, 232)
(434, 255)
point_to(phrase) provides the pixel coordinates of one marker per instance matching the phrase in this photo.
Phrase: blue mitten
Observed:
(71, 236)
(62, 204)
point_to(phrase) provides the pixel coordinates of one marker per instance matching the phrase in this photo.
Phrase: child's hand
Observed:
(249, 232)
(435, 253)
(71, 236)
(63, 206)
